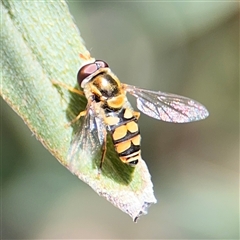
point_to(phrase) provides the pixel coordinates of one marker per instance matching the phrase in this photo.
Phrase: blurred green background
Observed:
(187, 48)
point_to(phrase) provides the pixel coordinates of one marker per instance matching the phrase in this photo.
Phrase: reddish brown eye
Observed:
(101, 64)
(89, 69)
(85, 71)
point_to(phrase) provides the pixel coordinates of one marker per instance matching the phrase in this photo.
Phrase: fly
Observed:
(109, 111)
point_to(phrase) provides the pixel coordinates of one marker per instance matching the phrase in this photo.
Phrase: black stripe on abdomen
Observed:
(128, 136)
(130, 150)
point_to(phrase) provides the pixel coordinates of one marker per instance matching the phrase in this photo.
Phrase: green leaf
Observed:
(40, 44)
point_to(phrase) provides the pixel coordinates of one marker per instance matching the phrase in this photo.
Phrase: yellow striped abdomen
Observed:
(124, 129)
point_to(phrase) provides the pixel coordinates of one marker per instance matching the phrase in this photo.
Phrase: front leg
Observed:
(69, 88)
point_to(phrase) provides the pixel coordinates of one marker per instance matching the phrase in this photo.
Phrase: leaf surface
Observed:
(40, 43)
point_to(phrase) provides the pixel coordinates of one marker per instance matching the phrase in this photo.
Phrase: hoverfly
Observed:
(109, 111)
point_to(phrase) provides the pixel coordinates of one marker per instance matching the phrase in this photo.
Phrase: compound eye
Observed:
(101, 64)
(89, 69)
(85, 71)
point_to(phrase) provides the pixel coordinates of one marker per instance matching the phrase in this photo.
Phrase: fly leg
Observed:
(104, 150)
(69, 88)
(81, 114)
(74, 90)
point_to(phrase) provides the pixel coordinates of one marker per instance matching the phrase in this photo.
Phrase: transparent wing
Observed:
(87, 142)
(166, 106)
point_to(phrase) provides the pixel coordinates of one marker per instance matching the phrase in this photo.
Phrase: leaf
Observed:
(40, 43)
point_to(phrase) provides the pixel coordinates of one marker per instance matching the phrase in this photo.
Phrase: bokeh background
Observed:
(188, 48)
